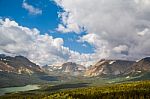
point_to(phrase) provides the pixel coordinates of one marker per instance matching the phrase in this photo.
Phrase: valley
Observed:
(19, 75)
(130, 90)
(74, 49)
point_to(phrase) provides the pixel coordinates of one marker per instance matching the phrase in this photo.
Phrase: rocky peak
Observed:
(141, 66)
(109, 67)
(18, 64)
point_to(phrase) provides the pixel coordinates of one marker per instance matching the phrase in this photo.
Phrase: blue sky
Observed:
(47, 22)
(112, 29)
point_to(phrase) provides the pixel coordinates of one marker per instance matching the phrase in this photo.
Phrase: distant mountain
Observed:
(68, 67)
(109, 68)
(18, 64)
(19, 70)
(51, 68)
(72, 67)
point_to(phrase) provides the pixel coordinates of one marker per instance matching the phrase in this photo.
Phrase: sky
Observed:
(56, 31)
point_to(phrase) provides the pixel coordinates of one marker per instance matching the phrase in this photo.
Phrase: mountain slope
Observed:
(72, 67)
(109, 68)
(142, 65)
(18, 64)
(19, 71)
(140, 69)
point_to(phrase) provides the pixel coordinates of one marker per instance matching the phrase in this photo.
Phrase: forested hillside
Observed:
(133, 90)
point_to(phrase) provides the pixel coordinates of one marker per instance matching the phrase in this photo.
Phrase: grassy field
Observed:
(132, 90)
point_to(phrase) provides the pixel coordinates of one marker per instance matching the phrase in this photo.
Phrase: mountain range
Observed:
(22, 71)
(68, 68)
(107, 68)
(103, 68)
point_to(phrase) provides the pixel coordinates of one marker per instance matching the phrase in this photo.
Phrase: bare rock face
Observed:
(142, 65)
(69, 68)
(72, 67)
(109, 68)
(18, 64)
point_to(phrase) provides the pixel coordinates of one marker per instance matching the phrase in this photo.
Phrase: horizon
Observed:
(85, 65)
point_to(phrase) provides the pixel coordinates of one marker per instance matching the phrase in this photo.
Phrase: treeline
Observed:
(134, 90)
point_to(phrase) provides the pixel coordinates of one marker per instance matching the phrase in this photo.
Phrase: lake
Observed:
(17, 89)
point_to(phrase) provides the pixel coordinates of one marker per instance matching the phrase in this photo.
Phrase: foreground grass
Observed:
(134, 90)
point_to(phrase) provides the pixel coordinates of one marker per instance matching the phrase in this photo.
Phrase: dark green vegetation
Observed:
(102, 81)
(20, 71)
(13, 79)
(132, 90)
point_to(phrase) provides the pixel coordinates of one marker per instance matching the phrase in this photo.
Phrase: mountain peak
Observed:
(20, 64)
(146, 59)
(109, 67)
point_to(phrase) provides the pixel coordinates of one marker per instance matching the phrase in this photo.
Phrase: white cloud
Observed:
(142, 2)
(62, 29)
(101, 50)
(32, 10)
(68, 23)
(114, 26)
(121, 49)
(58, 42)
(41, 49)
(142, 33)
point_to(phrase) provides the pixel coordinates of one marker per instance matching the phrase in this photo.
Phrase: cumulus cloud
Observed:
(32, 10)
(68, 25)
(116, 28)
(142, 33)
(41, 49)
